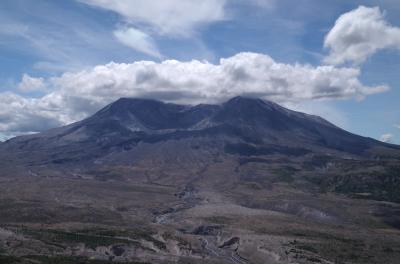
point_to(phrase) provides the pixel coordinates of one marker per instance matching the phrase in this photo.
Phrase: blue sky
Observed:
(62, 60)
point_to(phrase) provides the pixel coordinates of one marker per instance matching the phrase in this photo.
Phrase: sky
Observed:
(61, 61)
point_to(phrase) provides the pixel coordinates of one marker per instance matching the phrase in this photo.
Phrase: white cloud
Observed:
(137, 40)
(74, 96)
(397, 126)
(358, 34)
(166, 17)
(195, 81)
(386, 138)
(19, 114)
(31, 84)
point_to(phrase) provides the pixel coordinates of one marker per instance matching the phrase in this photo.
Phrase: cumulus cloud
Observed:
(167, 17)
(25, 115)
(358, 34)
(76, 95)
(31, 84)
(137, 40)
(386, 138)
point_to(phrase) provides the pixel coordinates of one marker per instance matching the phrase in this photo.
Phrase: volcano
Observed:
(245, 181)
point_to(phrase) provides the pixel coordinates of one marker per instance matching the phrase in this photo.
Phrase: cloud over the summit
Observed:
(386, 138)
(74, 96)
(358, 34)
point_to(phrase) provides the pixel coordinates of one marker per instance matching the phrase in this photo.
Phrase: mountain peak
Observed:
(126, 103)
(248, 101)
(252, 110)
(244, 100)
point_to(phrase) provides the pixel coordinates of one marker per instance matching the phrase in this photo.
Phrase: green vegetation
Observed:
(340, 250)
(219, 220)
(373, 181)
(130, 233)
(58, 238)
(253, 185)
(307, 247)
(8, 259)
(284, 174)
(57, 260)
(375, 185)
(93, 238)
(373, 223)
